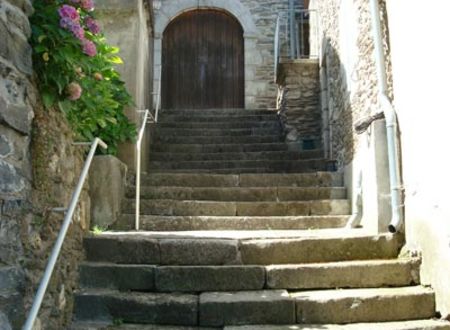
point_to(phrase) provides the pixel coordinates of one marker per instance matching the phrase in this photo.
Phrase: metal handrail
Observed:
(158, 98)
(148, 118)
(138, 164)
(61, 236)
(276, 48)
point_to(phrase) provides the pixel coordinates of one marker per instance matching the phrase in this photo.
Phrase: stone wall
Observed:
(258, 19)
(302, 116)
(349, 70)
(38, 170)
(17, 97)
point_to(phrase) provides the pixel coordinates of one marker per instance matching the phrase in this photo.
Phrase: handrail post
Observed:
(61, 236)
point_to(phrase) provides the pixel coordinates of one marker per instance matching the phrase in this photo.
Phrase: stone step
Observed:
(350, 274)
(219, 148)
(217, 112)
(316, 179)
(402, 325)
(307, 165)
(212, 132)
(214, 208)
(364, 305)
(240, 247)
(244, 194)
(134, 307)
(227, 156)
(247, 170)
(222, 125)
(108, 326)
(219, 118)
(193, 223)
(217, 309)
(251, 139)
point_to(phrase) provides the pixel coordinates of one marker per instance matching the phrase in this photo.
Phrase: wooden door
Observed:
(203, 62)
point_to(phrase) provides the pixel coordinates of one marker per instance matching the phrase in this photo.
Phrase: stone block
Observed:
(122, 250)
(353, 274)
(402, 325)
(15, 47)
(120, 277)
(174, 309)
(319, 249)
(107, 181)
(246, 307)
(199, 252)
(209, 278)
(364, 305)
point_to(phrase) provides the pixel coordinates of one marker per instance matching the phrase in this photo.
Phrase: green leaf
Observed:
(115, 60)
(41, 38)
(48, 99)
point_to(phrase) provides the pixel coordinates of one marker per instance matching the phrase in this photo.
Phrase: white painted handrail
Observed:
(158, 98)
(138, 165)
(276, 48)
(61, 236)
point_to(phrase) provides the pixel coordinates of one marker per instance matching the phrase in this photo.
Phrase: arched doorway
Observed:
(203, 61)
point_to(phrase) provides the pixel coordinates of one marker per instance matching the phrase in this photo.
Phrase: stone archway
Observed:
(169, 10)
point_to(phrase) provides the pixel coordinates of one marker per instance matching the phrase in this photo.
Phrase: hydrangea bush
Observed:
(75, 71)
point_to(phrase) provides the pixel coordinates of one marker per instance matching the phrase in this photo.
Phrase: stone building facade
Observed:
(258, 20)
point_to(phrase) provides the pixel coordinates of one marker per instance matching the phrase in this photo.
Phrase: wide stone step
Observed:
(353, 274)
(222, 125)
(152, 308)
(219, 118)
(364, 305)
(246, 307)
(192, 223)
(274, 165)
(240, 247)
(218, 148)
(244, 194)
(402, 325)
(214, 208)
(217, 112)
(227, 156)
(246, 170)
(319, 179)
(219, 139)
(348, 274)
(212, 132)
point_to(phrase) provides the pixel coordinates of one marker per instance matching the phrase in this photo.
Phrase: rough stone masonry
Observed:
(39, 167)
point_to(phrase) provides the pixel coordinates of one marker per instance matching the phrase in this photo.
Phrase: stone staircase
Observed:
(242, 232)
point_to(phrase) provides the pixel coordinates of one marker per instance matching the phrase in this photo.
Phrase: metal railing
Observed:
(297, 34)
(147, 119)
(62, 234)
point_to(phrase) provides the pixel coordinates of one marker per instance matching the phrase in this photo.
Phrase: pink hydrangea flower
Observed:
(77, 31)
(87, 5)
(92, 25)
(69, 12)
(73, 91)
(89, 48)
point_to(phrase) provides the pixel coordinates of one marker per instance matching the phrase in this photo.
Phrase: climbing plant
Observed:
(75, 71)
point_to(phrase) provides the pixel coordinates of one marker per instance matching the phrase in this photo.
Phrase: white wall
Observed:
(421, 72)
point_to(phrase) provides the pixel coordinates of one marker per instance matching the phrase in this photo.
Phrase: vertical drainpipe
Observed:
(292, 28)
(391, 121)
